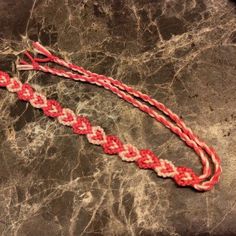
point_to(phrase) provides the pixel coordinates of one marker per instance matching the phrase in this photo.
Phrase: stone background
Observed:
(182, 53)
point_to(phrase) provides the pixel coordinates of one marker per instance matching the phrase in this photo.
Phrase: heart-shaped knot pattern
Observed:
(52, 109)
(186, 177)
(4, 79)
(166, 169)
(112, 145)
(97, 136)
(130, 153)
(15, 85)
(38, 101)
(26, 92)
(82, 125)
(67, 117)
(148, 160)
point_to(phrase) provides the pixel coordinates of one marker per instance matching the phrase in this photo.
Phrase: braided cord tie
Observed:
(111, 144)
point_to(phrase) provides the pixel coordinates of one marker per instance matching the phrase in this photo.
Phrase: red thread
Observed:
(26, 92)
(186, 177)
(148, 160)
(130, 153)
(4, 79)
(67, 117)
(52, 109)
(82, 126)
(111, 144)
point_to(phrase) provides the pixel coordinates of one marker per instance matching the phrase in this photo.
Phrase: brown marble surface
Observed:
(183, 53)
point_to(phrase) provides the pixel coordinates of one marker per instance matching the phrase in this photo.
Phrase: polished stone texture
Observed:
(182, 53)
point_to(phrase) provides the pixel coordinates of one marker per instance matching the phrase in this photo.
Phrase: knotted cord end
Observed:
(38, 48)
(41, 49)
(23, 65)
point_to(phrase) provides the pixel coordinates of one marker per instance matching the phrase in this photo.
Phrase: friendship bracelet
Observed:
(111, 144)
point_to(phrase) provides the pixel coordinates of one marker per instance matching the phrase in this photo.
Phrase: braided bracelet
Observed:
(111, 144)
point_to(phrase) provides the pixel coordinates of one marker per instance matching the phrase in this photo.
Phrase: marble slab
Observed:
(182, 53)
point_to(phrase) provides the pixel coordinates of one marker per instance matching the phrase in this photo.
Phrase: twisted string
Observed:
(128, 94)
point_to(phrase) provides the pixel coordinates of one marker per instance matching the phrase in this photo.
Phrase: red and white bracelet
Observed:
(144, 158)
